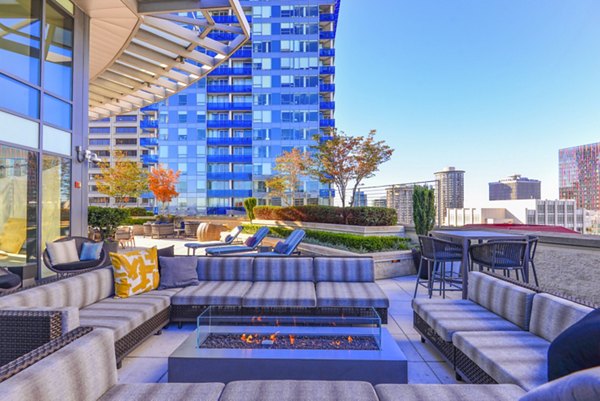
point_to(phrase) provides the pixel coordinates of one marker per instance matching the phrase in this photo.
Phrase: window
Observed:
(126, 118)
(100, 142)
(126, 130)
(182, 116)
(182, 100)
(182, 151)
(23, 99)
(58, 52)
(125, 141)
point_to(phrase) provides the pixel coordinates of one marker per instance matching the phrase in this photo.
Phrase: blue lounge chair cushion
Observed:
(250, 242)
(281, 247)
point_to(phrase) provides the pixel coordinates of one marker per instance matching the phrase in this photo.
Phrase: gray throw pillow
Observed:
(178, 271)
(62, 252)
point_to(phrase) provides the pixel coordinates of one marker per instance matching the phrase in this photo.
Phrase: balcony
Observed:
(229, 193)
(325, 138)
(224, 36)
(148, 124)
(243, 159)
(227, 71)
(229, 19)
(228, 106)
(229, 141)
(326, 70)
(325, 35)
(327, 53)
(147, 195)
(327, 105)
(149, 159)
(229, 176)
(149, 142)
(229, 123)
(327, 123)
(229, 88)
(327, 18)
(243, 53)
(327, 88)
(151, 107)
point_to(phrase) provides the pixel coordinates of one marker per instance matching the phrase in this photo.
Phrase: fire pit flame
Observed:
(292, 339)
(273, 336)
(350, 339)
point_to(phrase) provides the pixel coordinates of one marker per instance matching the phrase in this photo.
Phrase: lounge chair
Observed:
(251, 244)
(287, 247)
(228, 240)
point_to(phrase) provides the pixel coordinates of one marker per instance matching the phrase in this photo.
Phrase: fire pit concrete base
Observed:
(190, 364)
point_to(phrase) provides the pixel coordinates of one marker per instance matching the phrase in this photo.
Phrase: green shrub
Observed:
(359, 216)
(249, 205)
(132, 221)
(107, 219)
(139, 211)
(351, 242)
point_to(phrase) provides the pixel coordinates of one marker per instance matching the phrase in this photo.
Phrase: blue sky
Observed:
(493, 87)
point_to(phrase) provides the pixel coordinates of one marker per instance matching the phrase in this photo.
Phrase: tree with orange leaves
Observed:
(162, 182)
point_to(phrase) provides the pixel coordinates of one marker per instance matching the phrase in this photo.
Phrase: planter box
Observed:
(397, 231)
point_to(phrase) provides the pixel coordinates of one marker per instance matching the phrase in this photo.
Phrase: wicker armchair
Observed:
(8, 281)
(163, 230)
(125, 236)
(500, 255)
(75, 267)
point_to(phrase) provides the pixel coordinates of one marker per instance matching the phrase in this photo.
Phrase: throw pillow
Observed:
(580, 386)
(135, 272)
(228, 238)
(576, 348)
(178, 271)
(250, 242)
(167, 252)
(281, 247)
(62, 252)
(91, 250)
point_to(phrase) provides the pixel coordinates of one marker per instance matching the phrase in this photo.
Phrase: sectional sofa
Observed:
(501, 334)
(80, 366)
(249, 284)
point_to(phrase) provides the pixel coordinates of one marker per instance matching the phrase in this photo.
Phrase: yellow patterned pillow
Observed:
(135, 272)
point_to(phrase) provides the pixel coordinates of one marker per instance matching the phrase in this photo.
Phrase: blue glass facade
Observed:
(273, 95)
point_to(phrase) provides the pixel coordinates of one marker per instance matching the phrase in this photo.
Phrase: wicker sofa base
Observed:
(138, 335)
(445, 348)
(469, 371)
(189, 313)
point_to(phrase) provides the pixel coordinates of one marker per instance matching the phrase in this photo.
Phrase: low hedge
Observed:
(357, 216)
(132, 221)
(351, 242)
(139, 211)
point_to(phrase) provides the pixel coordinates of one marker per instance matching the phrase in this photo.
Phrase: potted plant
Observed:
(107, 219)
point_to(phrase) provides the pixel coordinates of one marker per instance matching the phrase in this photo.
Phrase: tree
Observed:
(162, 182)
(124, 180)
(276, 186)
(291, 166)
(345, 161)
(249, 205)
(423, 209)
(107, 219)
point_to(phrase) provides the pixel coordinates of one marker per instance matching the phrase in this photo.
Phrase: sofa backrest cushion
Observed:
(178, 271)
(62, 252)
(78, 291)
(226, 268)
(268, 268)
(344, 269)
(82, 370)
(510, 301)
(552, 315)
(580, 386)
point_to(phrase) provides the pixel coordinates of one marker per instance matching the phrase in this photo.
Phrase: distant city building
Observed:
(379, 202)
(136, 136)
(579, 175)
(515, 187)
(450, 191)
(400, 198)
(360, 199)
(563, 213)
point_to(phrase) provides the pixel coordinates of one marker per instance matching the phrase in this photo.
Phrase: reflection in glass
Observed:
(58, 51)
(56, 200)
(57, 112)
(20, 29)
(18, 206)
(23, 99)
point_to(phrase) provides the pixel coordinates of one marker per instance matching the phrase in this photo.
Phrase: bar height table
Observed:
(466, 236)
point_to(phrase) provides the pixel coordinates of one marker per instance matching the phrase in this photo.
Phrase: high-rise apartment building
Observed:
(515, 187)
(135, 135)
(273, 95)
(400, 198)
(450, 191)
(579, 175)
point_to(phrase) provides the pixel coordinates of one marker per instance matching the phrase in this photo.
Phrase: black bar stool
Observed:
(437, 252)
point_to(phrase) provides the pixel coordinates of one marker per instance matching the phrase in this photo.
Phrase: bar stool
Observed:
(437, 252)
(532, 240)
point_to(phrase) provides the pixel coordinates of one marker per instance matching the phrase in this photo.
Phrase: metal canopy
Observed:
(143, 52)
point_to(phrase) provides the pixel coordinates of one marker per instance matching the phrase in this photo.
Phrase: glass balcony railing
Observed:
(228, 106)
(228, 141)
(149, 159)
(327, 87)
(243, 159)
(149, 142)
(151, 107)
(327, 17)
(242, 53)
(327, 35)
(229, 88)
(230, 176)
(229, 193)
(148, 124)
(221, 210)
(327, 123)
(327, 69)
(222, 36)
(327, 53)
(229, 124)
(327, 105)
(222, 71)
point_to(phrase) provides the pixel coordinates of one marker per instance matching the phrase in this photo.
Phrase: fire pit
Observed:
(227, 348)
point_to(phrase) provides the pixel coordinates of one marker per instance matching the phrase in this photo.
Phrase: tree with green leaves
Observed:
(249, 205)
(123, 180)
(423, 209)
(276, 186)
(291, 166)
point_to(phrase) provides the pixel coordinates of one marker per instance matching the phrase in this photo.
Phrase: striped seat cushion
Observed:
(344, 269)
(213, 293)
(281, 293)
(358, 295)
(164, 391)
(283, 269)
(448, 392)
(509, 357)
(229, 268)
(552, 315)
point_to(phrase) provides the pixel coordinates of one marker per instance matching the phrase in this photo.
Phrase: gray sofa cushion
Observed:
(579, 386)
(213, 293)
(344, 269)
(229, 268)
(164, 392)
(178, 271)
(351, 295)
(77, 291)
(122, 315)
(283, 269)
(552, 315)
(449, 316)
(81, 371)
(448, 392)
(510, 357)
(510, 301)
(293, 390)
(281, 293)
